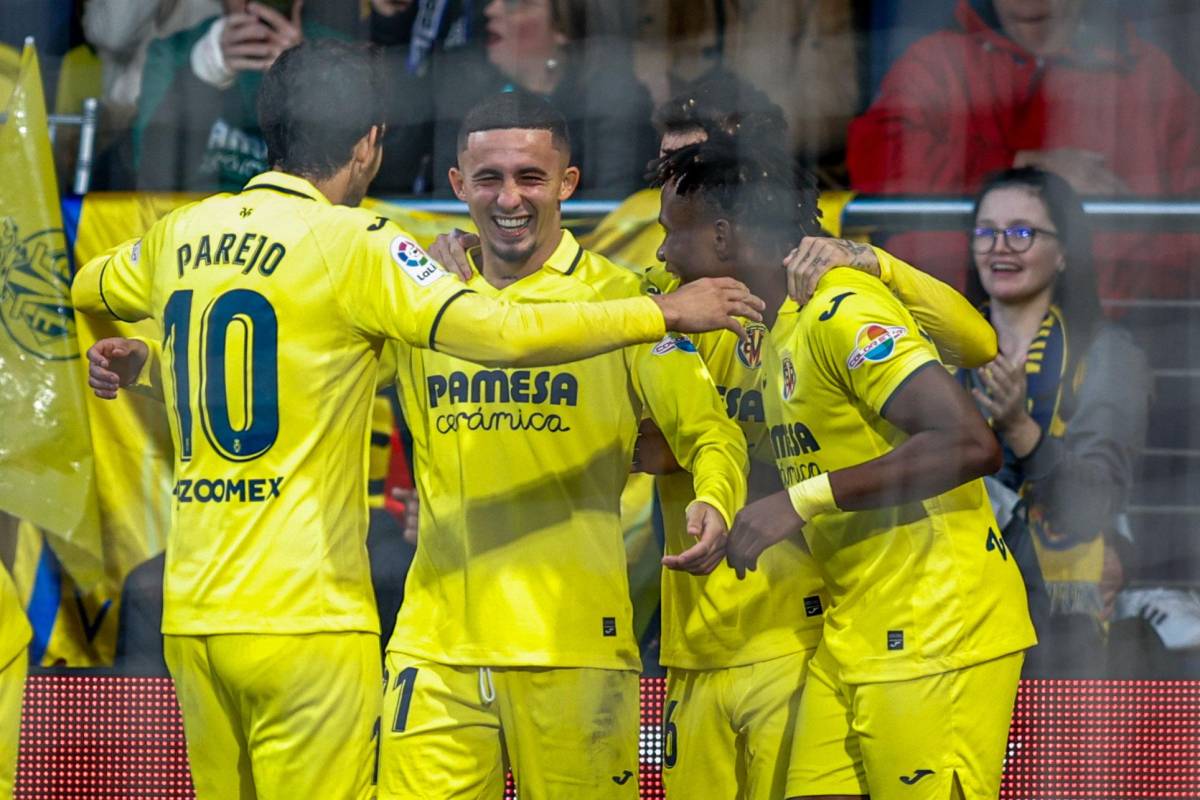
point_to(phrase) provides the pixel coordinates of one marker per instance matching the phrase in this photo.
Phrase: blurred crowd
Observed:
(921, 97)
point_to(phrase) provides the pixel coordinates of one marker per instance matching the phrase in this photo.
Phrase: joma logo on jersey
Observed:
(749, 352)
(35, 292)
(744, 405)
(225, 490)
(500, 386)
(789, 441)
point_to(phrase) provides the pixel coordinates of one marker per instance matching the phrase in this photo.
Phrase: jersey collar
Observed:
(285, 183)
(567, 255)
(564, 259)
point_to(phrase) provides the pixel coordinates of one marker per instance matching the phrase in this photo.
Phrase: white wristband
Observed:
(813, 496)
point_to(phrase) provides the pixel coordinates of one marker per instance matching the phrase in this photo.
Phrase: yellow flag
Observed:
(46, 473)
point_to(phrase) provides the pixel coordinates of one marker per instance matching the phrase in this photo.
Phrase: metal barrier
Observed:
(871, 212)
(86, 122)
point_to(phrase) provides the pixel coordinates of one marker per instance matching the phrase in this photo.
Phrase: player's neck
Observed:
(336, 187)
(500, 272)
(769, 285)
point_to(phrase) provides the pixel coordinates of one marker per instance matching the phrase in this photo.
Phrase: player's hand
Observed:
(412, 512)
(450, 250)
(758, 526)
(651, 453)
(115, 363)
(707, 525)
(816, 255)
(709, 304)
(390, 8)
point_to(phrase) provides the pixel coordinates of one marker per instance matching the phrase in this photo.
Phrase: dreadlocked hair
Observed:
(750, 179)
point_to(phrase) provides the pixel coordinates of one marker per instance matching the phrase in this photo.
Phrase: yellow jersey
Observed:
(275, 305)
(15, 632)
(716, 621)
(520, 559)
(916, 589)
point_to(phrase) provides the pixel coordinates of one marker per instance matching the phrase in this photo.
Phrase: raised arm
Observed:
(483, 330)
(962, 336)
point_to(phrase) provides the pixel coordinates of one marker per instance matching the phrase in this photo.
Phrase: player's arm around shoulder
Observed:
(962, 335)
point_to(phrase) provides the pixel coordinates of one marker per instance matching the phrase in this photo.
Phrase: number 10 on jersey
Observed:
(238, 337)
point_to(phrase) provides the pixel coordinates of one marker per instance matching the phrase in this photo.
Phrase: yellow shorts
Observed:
(275, 716)
(931, 738)
(12, 689)
(450, 732)
(728, 732)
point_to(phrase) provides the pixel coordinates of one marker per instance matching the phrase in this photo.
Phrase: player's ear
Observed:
(570, 182)
(723, 243)
(365, 148)
(458, 184)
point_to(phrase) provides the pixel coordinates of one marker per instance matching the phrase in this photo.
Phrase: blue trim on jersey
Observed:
(44, 602)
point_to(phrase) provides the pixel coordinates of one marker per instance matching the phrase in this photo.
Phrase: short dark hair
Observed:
(756, 187)
(1075, 291)
(316, 102)
(720, 100)
(516, 109)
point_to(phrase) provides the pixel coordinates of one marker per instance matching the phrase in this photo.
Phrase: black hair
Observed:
(517, 109)
(1075, 290)
(751, 183)
(316, 102)
(720, 100)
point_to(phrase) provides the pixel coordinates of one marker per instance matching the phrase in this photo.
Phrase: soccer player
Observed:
(515, 643)
(737, 651)
(910, 691)
(275, 304)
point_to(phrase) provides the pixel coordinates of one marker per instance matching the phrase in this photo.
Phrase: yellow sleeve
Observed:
(868, 344)
(149, 380)
(493, 333)
(683, 401)
(116, 284)
(394, 289)
(963, 337)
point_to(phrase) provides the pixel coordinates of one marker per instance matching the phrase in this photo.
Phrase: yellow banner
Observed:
(45, 452)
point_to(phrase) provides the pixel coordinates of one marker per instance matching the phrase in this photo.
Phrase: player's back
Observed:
(268, 381)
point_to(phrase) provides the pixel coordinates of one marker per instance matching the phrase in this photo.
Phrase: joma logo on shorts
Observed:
(909, 780)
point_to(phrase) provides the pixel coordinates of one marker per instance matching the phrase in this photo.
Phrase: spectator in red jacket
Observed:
(1059, 84)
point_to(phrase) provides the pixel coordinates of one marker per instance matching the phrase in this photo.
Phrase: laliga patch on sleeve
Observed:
(874, 342)
(409, 256)
(673, 342)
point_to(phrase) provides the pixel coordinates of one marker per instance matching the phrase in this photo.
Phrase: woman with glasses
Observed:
(1068, 397)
